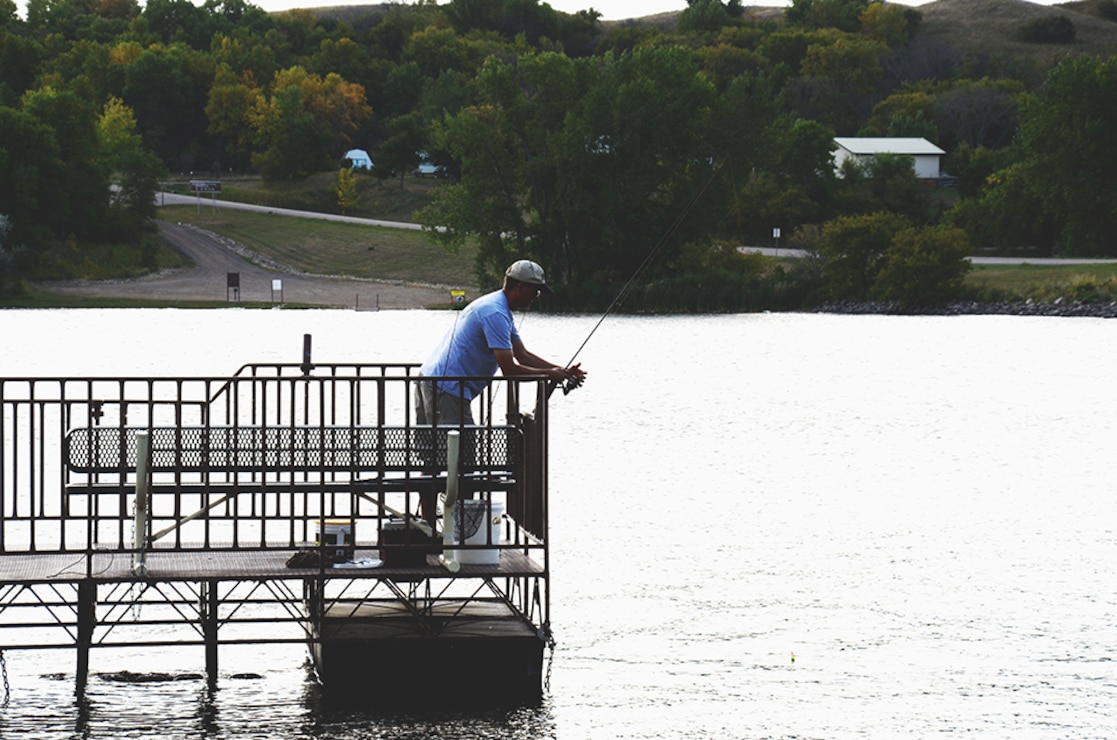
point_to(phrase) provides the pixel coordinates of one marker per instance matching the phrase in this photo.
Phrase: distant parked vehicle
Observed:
(429, 169)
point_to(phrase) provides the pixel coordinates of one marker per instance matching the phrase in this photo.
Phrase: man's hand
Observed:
(574, 376)
(569, 377)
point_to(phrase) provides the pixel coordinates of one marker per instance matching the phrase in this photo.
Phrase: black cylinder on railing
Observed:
(306, 366)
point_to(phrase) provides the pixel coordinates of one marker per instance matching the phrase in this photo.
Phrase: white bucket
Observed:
(481, 526)
(337, 533)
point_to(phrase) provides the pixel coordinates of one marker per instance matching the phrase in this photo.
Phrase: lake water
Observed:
(762, 526)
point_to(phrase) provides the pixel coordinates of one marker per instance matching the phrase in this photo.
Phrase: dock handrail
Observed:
(296, 446)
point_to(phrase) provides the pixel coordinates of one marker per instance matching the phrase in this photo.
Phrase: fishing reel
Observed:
(567, 386)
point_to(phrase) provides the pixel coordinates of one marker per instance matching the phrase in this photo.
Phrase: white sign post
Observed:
(213, 187)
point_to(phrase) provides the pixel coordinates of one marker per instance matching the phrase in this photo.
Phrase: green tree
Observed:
(853, 64)
(249, 57)
(888, 23)
(853, 251)
(973, 167)
(636, 151)
(708, 15)
(166, 87)
(906, 103)
(1009, 213)
(509, 18)
(344, 57)
(400, 151)
(924, 267)
(788, 46)
(895, 187)
(60, 17)
(80, 198)
(806, 153)
(436, 50)
(20, 60)
(228, 109)
(179, 20)
(723, 63)
(505, 146)
(30, 169)
(904, 126)
(979, 113)
(137, 171)
(348, 197)
(838, 75)
(583, 165)
(10, 257)
(307, 121)
(620, 39)
(8, 13)
(1068, 139)
(293, 143)
(841, 14)
(339, 106)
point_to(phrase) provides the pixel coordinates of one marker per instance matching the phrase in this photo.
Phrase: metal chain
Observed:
(550, 662)
(132, 587)
(4, 674)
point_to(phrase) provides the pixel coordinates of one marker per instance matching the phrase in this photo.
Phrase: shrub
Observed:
(853, 250)
(924, 267)
(1048, 29)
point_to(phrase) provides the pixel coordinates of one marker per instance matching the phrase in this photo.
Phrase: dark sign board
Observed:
(205, 186)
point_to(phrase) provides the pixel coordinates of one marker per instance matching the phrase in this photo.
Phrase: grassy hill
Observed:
(991, 29)
(984, 30)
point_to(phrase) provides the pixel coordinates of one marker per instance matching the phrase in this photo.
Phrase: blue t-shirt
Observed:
(467, 349)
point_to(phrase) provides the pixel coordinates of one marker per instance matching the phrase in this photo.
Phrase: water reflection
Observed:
(446, 708)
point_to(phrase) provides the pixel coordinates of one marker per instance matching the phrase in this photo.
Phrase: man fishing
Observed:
(482, 340)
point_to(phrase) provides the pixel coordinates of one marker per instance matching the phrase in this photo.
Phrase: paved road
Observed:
(215, 257)
(771, 252)
(172, 199)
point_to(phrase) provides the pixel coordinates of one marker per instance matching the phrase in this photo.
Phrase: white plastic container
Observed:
(481, 526)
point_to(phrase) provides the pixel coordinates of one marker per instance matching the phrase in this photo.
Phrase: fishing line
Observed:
(648, 259)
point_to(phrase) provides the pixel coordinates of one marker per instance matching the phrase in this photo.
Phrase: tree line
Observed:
(583, 146)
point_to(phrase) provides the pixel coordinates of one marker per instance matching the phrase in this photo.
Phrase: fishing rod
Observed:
(570, 385)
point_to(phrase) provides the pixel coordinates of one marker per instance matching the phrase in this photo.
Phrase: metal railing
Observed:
(259, 460)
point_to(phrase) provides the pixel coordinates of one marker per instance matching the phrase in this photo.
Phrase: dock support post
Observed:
(448, 558)
(143, 459)
(87, 619)
(209, 603)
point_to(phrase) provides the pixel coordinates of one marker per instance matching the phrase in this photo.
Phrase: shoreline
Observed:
(1055, 309)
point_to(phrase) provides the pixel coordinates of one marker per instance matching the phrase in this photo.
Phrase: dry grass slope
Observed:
(990, 28)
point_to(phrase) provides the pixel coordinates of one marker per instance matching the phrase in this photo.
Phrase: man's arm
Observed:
(519, 361)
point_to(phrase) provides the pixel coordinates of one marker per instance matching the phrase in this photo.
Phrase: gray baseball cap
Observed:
(526, 271)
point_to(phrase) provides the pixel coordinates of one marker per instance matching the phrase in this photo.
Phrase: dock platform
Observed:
(166, 511)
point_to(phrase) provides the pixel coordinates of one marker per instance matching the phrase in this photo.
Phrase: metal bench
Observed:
(288, 449)
(298, 474)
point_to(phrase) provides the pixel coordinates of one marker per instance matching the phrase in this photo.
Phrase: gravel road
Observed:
(214, 257)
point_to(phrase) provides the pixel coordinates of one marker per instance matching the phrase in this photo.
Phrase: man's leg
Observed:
(434, 405)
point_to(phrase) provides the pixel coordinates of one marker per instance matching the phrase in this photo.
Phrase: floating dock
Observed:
(280, 504)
